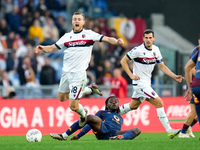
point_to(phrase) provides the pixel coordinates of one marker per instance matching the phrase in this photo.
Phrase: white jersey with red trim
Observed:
(144, 62)
(77, 48)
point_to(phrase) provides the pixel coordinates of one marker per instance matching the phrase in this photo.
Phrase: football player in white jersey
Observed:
(77, 46)
(145, 57)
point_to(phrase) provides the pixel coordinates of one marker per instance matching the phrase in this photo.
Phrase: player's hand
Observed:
(135, 77)
(188, 95)
(74, 138)
(179, 78)
(38, 49)
(120, 42)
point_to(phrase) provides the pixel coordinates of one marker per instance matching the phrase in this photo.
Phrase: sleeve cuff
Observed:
(57, 46)
(128, 56)
(101, 38)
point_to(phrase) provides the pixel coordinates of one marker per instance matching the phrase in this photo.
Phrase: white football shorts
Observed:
(74, 83)
(143, 92)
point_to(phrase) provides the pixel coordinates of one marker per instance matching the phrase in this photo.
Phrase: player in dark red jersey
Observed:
(194, 86)
(191, 119)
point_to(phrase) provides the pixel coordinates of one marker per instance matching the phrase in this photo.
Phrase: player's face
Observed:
(148, 40)
(78, 22)
(113, 104)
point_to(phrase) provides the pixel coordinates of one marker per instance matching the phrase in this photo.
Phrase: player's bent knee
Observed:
(62, 99)
(93, 119)
(73, 107)
(62, 96)
(90, 118)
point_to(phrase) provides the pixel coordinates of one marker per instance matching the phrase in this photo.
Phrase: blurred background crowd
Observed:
(26, 23)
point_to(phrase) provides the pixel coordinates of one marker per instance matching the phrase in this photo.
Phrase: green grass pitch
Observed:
(145, 141)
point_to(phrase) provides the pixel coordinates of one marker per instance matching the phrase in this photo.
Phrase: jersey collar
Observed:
(77, 32)
(146, 47)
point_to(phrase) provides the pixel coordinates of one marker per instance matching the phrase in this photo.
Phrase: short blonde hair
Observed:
(78, 13)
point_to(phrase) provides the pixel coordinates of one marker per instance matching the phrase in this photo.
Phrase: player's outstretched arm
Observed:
(46, 49)
(128, 134)
(113, 41)
(179, 78)
(168, 72)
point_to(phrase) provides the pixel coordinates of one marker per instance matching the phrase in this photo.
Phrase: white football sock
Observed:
(163, 119)
(64, 135)
(87, 90)
(81, 111)
(124, 108)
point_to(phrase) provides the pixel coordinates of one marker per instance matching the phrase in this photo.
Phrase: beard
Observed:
(116, 110)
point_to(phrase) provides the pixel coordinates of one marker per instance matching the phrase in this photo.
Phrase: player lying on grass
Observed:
(106, 124)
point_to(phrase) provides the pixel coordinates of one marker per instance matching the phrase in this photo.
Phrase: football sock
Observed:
(184, 128)
(85, 130)
(163, 119)
(64, 135)
(81, 111)
(124, 108)
(87, 90)
(129, 135)
(197, 108)
(194, 122)
(73, 128)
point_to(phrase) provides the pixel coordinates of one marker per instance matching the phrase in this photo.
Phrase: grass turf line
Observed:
(145, 141)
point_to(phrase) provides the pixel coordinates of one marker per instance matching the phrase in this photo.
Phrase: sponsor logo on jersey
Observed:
(116, 119)
(79, 43)
(149, 60)
(145, 60)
